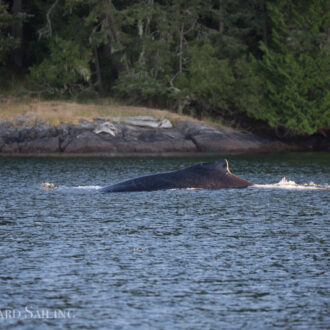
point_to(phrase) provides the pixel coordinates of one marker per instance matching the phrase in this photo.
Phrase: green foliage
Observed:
(156, 39)
(297, 91)
(66, 70)
(297, 83)
(248, 90)
(221, 84)
(139, 86)
(210, 80)
(266, 59)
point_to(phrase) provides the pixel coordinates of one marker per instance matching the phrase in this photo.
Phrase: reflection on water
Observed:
(73, 258)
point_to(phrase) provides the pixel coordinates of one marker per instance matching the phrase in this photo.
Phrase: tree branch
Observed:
(47, 30)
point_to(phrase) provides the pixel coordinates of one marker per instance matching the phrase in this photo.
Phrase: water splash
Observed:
(288, 184)
(47, 186)
(52, 186)
(88, 187)
(284, 183)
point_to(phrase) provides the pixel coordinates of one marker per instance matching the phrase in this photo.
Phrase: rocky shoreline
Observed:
(128, 135)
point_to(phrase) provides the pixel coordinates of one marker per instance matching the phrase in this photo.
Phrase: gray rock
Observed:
(88, 142)
(131, 132)
(141, 121)
(8, 132)
(223, 140)
(38, 130)
(2, 143)
(145, 140)
(165, 123)
(106, 128)
(5, 125)
(65, 129)
(132, 136)
(44, 145)
(159, 141)
(147, 121)
(43, 130)
(11, 148)
(24, 133)
(64, 142)
(86, 124)
(195, 128)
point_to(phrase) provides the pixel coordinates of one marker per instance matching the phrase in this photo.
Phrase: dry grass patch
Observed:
(55, 112)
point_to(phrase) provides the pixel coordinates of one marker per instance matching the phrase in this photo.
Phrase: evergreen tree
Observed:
(267, 59)
(295, 69)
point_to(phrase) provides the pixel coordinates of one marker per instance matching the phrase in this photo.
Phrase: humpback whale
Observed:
(213, 175)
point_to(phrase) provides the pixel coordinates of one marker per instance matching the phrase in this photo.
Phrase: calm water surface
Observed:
(181, 259)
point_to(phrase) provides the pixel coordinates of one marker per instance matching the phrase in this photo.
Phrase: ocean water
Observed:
(73, 258)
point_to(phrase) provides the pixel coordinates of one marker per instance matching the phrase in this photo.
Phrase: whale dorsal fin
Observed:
(219, 165)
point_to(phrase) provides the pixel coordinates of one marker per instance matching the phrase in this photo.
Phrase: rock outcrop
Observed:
(141, 134)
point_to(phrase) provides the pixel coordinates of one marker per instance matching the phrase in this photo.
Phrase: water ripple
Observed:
(183, 259)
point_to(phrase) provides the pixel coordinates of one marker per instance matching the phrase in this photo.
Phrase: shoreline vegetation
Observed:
(259, 65)
(107, 128)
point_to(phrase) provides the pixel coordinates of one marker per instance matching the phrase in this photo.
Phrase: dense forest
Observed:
(262, 59)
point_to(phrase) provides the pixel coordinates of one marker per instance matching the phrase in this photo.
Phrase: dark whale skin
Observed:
(213, 175)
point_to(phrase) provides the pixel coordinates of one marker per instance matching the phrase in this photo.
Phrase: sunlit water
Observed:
(71, 257)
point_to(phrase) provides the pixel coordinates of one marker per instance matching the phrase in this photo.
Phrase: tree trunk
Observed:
(181, 49)
(98, 71)
(17, 32)
(119, 61)
(221, 23)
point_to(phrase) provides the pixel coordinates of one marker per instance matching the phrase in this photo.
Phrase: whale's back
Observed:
(214, 175)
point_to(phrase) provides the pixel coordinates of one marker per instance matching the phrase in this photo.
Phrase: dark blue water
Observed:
(181, 259)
